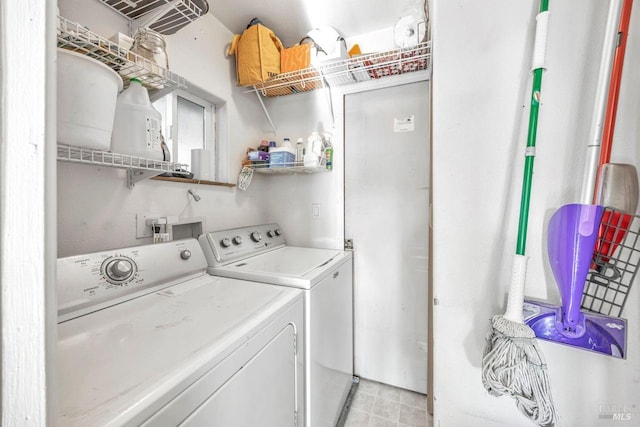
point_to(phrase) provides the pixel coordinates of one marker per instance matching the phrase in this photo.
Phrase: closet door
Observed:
(386, 214)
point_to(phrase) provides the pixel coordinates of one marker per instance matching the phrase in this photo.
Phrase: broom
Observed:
(512, 363)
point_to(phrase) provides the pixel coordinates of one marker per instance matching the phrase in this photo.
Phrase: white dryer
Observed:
(260, 253)
(146, 337)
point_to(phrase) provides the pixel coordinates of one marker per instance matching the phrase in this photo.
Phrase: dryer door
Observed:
(262, 393)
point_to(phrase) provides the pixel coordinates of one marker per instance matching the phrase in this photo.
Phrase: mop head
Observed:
(513, 364)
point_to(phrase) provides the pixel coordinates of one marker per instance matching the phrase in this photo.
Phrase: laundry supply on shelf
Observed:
(151, 46)
(299, 152)
(137, 124)
(86, 101)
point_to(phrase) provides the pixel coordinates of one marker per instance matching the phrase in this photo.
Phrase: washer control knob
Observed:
(278, 232)
(226, 242)
(255, 236)
(271, 233)
(119, 269)
(185, 254)
(237, 240)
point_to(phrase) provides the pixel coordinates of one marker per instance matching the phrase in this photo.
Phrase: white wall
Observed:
(96, 210)
(480, 87)
(28, 335)
(288, 199)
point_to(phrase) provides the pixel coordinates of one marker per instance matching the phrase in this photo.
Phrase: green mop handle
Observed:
(538, 67)
(515, 300)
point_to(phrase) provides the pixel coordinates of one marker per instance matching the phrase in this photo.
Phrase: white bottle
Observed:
(313, 150)
(299, 152)
(137, 125)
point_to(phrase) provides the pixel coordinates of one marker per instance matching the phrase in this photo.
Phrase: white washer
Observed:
(259, 253)
(146, 337)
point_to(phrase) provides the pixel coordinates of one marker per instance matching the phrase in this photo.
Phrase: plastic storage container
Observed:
(280, 157)
(86, 101)
(136, 128)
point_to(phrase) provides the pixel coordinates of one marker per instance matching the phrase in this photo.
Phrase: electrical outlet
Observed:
(142, 229)
(315, 210)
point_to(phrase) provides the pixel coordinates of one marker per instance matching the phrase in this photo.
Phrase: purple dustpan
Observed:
(572, 235)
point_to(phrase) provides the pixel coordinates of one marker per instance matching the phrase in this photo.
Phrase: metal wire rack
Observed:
(615, 263)
(343, 72)
(80, 39)
(163, 16)
(139, 168)
(288, 168)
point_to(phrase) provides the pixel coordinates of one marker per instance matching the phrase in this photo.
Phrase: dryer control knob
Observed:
(271, 233)
(226, 242)
(186, 254)
(237, 240)
(119, 269)
(255, 236)
(278, 232)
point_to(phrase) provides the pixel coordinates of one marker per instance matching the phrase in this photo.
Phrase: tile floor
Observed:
(380, 405)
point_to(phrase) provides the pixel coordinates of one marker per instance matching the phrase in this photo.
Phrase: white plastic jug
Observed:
(137, 125)
(313, 150)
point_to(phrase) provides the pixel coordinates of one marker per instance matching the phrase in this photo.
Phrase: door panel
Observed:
(262, 393)
(386, 214)
(331, 346)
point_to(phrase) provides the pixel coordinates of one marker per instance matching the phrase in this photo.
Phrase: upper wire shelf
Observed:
(129, 65)
(343, 72)
(163, 16)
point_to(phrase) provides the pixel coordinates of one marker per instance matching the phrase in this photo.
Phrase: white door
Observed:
(386, 214)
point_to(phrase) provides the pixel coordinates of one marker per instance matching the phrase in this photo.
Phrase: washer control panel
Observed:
(97, 280)
(226, 246)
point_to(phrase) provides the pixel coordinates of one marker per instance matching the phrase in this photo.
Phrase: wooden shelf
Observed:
(192, 181)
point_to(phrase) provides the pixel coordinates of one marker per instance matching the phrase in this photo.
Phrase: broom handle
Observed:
(614, 91)
(542, 20)
(602, 89)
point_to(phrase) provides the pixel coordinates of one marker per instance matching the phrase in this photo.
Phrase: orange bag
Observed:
(257, 53)
(295, 58)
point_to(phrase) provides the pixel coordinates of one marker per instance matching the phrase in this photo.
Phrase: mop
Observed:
(513, 363)
(572, 235)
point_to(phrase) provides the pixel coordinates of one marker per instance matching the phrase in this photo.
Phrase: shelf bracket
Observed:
(150, 18)
(327, 86)
(138, 175)
(264, 108)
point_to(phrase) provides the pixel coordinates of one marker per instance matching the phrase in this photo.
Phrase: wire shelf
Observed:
(615, 263)
(348, 71)
(80, 39)
(288, 169)
(163, 17)
(104, 158)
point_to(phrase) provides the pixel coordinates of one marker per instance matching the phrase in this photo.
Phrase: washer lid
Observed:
(119, 365)
(287, 266)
